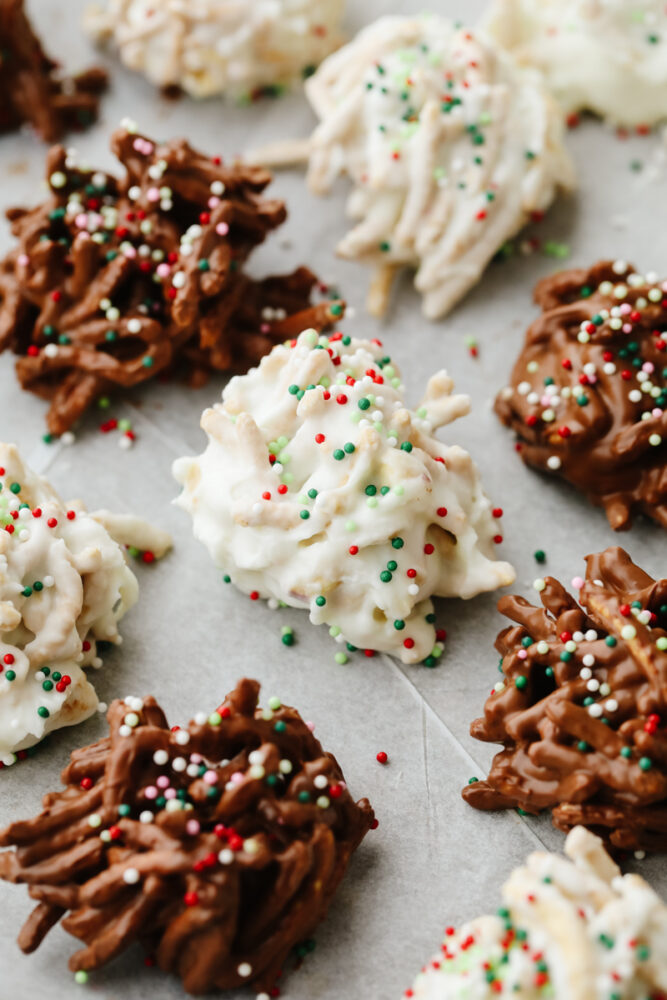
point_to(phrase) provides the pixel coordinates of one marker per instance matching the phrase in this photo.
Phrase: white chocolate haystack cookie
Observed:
(64, 585)
(321, 489)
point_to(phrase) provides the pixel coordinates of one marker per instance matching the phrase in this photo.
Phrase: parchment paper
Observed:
(433, 861)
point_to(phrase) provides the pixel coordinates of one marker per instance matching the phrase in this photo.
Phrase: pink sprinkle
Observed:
(211, 778)
(522, 654)
(237, 778)
(163, 270)
(222, 229)
(170, 793)
(130, 252)
(151, 792)
(23, 259)
(153, 194)
(81, 220)
(649, 367)
(143, 146)
(627, 328)
(192, 827)
(625, 309)
(577, 583)
(213, 202)
(195, 758)
(265, 328)
(657, 412)
(162, 781)
(311, 726)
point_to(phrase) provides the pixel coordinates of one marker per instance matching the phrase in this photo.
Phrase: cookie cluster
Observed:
(581, 708)
(115, 280)
(217, 845)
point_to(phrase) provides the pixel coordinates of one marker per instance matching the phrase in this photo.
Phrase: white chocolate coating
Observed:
(64, 585)
(590, 934)
(211, 47)
(605, 56)
(378, 478)
(449, 144)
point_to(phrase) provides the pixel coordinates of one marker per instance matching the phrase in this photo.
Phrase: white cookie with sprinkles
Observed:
(207, 47)
(321, 489)
(64, 585)
(568, 929)
(450, 146)
(604, 56)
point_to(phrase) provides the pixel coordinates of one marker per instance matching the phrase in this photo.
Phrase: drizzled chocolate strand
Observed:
(32, 89)
(218, 846)
(582, 706)
(115, 280)
(588, 395)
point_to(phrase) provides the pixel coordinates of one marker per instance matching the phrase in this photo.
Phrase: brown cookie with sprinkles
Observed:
(115, 280)
(33, 90)
(587, 397)
(217, 846)
(581, 707)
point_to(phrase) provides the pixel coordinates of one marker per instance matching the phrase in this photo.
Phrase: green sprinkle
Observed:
(645, 763)
(320, 601)
(540, 556)
(340, 658)
(521, 682)
(399, 624)
(626, 752)
(397, 543)
(43, 712)
(304, 515)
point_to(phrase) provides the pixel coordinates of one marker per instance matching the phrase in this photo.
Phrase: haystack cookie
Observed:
(449, 145)
(154, 276)
(568, 929)
(64, 585)
(319, 488)
(33, 89)
(218, 845)
(211, 47)
(580, 706)
(587, 397)
(605, 56)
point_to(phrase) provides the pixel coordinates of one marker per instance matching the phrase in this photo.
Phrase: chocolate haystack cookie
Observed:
(582, 706)
(117, 279)
(218, 846)
(588, 395)
(32, 89)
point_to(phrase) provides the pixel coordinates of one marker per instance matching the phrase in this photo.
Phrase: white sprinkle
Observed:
(160, 757)
(131, 876)
(244, 969)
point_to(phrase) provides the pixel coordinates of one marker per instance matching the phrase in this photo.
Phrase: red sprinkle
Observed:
(382, 757)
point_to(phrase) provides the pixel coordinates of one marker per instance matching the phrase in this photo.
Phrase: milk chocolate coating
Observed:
(604, 344)
(31, 88)
(583, 720)
(164, 251)
(218, 889)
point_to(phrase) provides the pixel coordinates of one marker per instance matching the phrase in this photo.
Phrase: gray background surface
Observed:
(433, 860)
